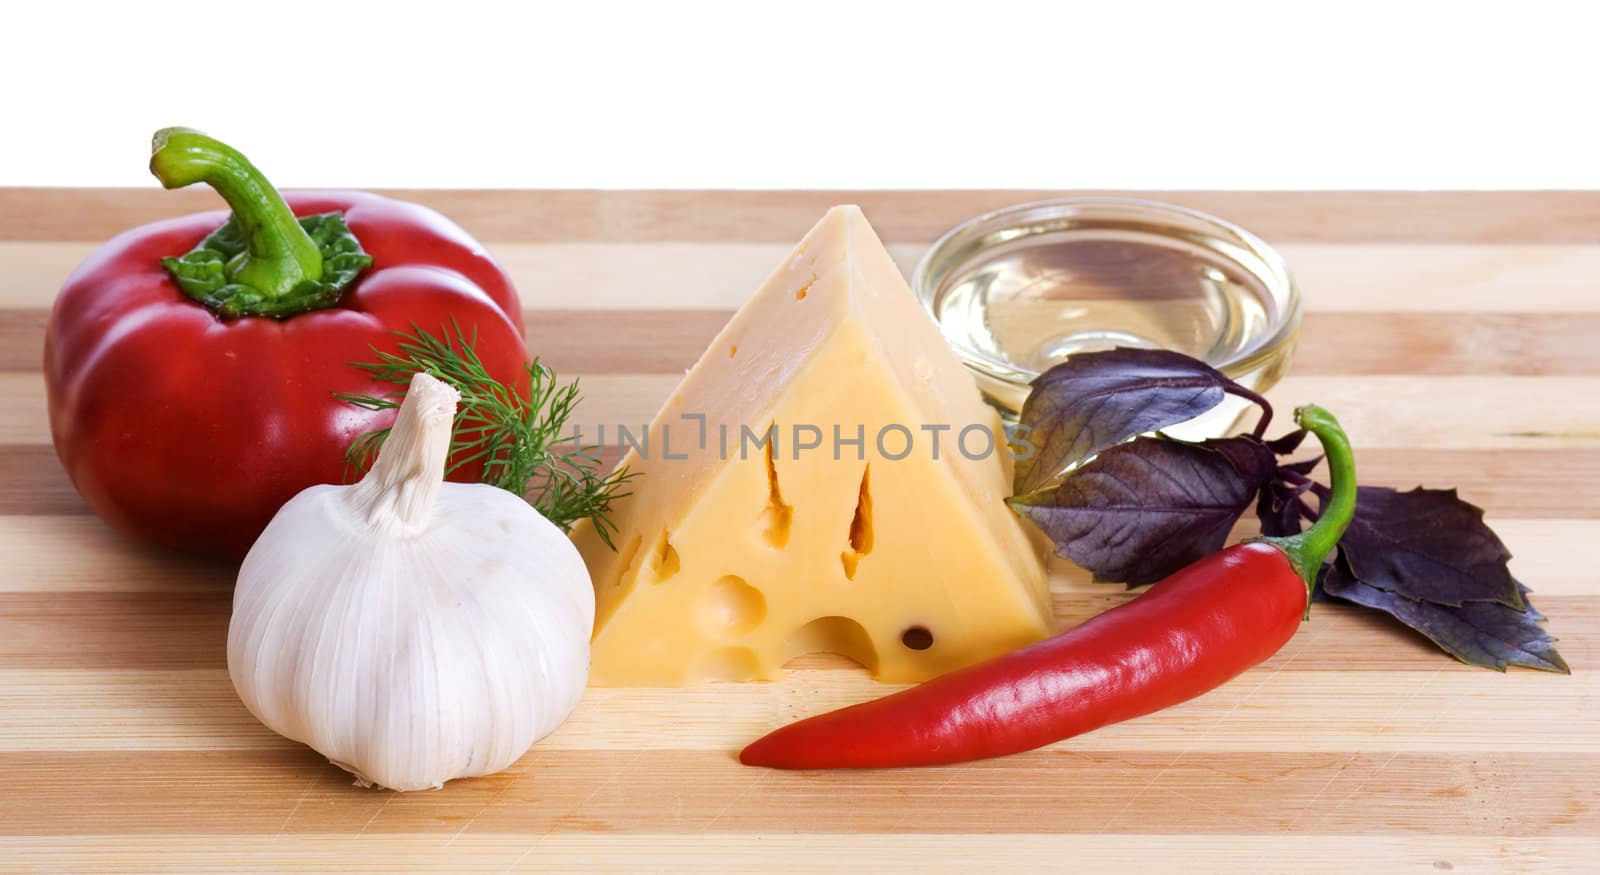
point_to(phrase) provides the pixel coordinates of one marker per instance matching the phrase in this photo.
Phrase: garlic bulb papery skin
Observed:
(412, 630)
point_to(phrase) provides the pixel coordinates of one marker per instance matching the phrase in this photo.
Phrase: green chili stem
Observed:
(1310, 548)
(279, 254)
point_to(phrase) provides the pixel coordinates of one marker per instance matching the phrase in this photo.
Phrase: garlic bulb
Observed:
(409, 629)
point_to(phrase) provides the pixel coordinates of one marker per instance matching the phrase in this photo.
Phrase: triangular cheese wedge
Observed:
(735, 555)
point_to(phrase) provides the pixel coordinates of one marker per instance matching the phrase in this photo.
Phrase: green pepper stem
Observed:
(1310, 548)
(279, 255)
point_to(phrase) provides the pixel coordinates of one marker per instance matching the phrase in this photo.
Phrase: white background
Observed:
(815, 94)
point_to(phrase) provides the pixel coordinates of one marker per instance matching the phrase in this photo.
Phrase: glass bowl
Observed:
(1020, 289)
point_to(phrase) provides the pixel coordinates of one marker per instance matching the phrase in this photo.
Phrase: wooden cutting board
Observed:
(1457, 335)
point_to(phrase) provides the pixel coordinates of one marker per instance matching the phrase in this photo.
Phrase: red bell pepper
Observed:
(191, 364)
(1189, 633)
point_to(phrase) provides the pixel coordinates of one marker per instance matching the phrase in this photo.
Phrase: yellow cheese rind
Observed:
(735, 557)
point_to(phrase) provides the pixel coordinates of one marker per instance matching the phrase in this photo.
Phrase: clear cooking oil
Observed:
(1017, 294)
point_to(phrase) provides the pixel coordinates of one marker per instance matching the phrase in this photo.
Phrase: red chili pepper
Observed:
(191, 395)
(1187, 634)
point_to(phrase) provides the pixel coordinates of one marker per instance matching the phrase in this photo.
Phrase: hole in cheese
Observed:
(860, 528)
(628, 557)
(733, 350)
(664, 559)
(775, 520)
(840, 635)
(728, 664)
(732, 607)
(917, 638)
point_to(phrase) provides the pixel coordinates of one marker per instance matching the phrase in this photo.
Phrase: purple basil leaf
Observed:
(1248, 456)
(1304, 467)
(1278, 508)
(1428, 545)
(1097, 400)
(1287, 444)
(1319, 595)
(1144, 509)
(1532, 612)
(1477, 633)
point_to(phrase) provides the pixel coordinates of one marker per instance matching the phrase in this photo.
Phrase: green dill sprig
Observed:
(521, 442)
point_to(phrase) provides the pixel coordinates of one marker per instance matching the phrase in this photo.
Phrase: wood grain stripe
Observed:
(1448, 344)
(1430, 278)
(33, 482)
(1331, 344)
(912, 853)
(1282, 707)
(1508, 483)
(1511, 484)
(1428, 413)
(687, 792)
(1380, 412)
(80, 553)
(54, 554)
(631, 216)
(170, 630)
(22, 339)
